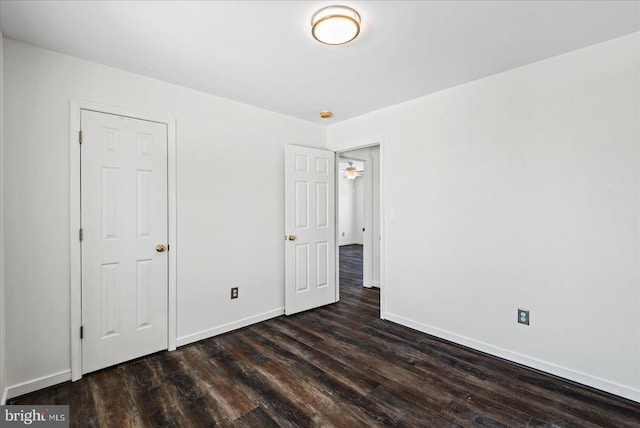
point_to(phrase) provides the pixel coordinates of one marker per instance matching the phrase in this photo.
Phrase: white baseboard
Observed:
(205, 334)
(3, 399)
(63, 376)
(564, 372)
(36, 384)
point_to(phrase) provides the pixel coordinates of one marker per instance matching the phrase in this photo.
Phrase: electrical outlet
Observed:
(523, 316)
(342, 233)
(234, 292)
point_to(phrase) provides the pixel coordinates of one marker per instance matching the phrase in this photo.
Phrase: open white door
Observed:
(310, 257)
(124, 223)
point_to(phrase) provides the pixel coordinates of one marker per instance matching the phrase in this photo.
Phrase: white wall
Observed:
(521, 190)
(2, 298)
(346, 210)
(350, 206)
(230, 225)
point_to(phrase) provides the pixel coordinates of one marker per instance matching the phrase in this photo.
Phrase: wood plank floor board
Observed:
(390, 374)
(79, 392)
(460, 379)
(494, 392)
(187, 401)
(481, 371)
(583, 406)
(331, 367)
(595, 399)
(234, 402)
(280, 404)
(153, 412)
(346, 386)
(110, 397)
(402, 411)
(300, 393)
(467, 416)
(140, 383)
(445, 375)
(255, 418)
(336, 366)
(458, 384)
(241, 377)
(343, 393)
(408, 355)
(310, 385)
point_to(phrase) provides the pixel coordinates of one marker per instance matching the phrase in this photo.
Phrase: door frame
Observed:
(367, 234)
(342, 148)
(75, 108)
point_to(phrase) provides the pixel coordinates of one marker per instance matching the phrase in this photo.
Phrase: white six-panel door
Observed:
(310, 247)
(124, 223)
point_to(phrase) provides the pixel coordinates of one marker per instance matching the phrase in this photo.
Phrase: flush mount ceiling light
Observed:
(335, 25)
(326, 114)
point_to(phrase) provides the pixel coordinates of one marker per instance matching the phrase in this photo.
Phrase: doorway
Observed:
(124, 238)
(359, 217)
(106, 185)
(311, 202)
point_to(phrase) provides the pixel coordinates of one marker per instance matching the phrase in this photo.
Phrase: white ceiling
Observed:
(262, 53)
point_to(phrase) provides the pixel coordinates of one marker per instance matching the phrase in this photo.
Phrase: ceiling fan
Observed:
(351, 172)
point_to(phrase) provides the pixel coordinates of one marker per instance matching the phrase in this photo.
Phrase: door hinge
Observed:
(81, 332)
(80, 234)
(80, 136)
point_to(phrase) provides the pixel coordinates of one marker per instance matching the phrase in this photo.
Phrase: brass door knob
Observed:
(160, 248)
(291, 237)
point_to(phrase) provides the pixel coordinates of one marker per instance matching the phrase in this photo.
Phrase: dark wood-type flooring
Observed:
(338, 366)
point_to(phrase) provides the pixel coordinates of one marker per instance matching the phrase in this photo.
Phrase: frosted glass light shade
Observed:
(351, 174)
(335, 25)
